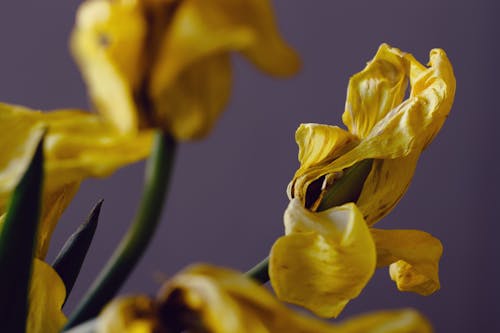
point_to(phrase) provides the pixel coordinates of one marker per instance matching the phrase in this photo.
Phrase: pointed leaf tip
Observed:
(69, 261)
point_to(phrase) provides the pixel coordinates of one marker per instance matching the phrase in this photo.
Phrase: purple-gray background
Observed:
(228, 194)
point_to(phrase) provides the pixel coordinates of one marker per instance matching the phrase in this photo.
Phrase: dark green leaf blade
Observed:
(70, 259)
(17, 243)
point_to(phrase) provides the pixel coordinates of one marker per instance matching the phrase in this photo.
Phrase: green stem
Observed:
(346, 189)
(135, 242)
(260, 272)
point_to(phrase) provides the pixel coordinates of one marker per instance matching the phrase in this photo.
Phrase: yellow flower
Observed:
(166, 62)
(209, 299)
(77, 145)
(381, 126)
(310, 266)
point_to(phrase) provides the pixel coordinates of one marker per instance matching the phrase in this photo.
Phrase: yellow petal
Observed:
(190, 107)
(318, 145)
(202, 29)
(413, 257)
(376, 90)
(385, 186)
(77, 145)
(54, 204)
(81, 145)
(321, 143)
(324, 260)
(107, 43)
(208, 296)
(20, 132)
(46, 297)
(410, 126)
(396, 321)
(191, 78)
(220, 300)
(401, 134)
(137, 314)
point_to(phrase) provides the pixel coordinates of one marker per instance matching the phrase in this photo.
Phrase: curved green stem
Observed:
(260, 272)
(346, 189)
(135, 242)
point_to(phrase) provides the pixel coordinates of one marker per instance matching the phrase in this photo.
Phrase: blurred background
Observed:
(228, 194)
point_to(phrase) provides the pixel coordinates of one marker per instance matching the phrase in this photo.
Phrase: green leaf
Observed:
(17, 244)
(70, 259)
(260, 272)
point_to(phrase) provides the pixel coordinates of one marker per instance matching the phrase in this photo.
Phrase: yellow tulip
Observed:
(165, 63)
(77, 145)
(209, 299)
(312, 265)
(381, 126)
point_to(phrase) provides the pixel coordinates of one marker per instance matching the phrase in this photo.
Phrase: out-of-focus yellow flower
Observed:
(311, 262)
(46, 295)
(135, 314)
(209, 299)
(77, 145)
(166, 63)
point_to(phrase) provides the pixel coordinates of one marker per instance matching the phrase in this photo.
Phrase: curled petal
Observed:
(107, 43)
(46, 297)
(376, 90)
(413, 257)
(410, 126)
(436, 86)
(324, 260)
(318, 144)
(321, 143)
